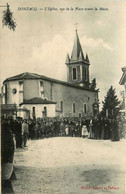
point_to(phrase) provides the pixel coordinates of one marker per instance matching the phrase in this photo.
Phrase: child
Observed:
(84, 132)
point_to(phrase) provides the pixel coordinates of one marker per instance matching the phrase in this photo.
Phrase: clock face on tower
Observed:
(14, 91)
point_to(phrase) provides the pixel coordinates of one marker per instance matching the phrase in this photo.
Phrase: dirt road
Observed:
(66, 165)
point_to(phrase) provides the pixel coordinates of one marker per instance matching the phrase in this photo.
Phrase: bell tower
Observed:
(78, 65)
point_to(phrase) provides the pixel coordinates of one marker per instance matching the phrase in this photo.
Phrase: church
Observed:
(43, 96)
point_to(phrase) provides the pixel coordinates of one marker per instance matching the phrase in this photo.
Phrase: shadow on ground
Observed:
(70, 180)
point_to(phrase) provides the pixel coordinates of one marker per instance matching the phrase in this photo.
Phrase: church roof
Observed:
(22, 76)
(27, 75)
(77, 50)
(87, 59)
(77, 53)
(67, 58)
(37, 100)
(123, 78)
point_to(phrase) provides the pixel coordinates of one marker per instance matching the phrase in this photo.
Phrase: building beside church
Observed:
(44, 96)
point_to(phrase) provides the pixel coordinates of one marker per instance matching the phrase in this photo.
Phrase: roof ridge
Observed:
(54, 80)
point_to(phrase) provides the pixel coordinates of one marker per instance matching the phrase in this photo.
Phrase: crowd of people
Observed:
(93, 128)
(20, 130)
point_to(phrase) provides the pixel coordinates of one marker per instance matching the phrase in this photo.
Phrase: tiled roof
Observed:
(36, 76)
(22, 76)
(37, 101)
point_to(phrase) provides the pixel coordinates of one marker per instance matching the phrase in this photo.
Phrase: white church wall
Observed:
(13, 92)
(23, 114)
(56, 92)
(31, 89)
(39, 108)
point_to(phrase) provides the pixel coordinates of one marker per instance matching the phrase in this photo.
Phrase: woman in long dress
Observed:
(66, 130)
(84, 132)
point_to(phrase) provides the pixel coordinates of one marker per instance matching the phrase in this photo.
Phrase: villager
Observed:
(66, 130)
(103, 128)
(25, 132)
(18, 133)
(96, 128)
(115, 132)
(84, 132)
(62, 130)
(90, 135)
(7, 156)
(35, 129)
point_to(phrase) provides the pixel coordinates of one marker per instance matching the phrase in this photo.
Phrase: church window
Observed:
(85, 73)
(33, 112)
(14, 91)
(45, 111)
(42, 94)
(33, 108)
(6, 93)
(74, 107)
(21, 82)
(85, 108)
(61, 106)
(74, 73)
(41, 83)
(21, 85)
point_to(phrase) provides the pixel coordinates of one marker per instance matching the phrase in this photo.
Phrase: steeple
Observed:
(77, 50)
(78, 65)
(87, 59)
(67, 59)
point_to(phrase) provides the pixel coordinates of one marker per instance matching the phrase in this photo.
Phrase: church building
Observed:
(47, 97)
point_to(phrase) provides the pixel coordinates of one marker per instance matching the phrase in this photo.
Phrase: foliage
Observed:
(93, 83)
(111, 104)
(8, 19)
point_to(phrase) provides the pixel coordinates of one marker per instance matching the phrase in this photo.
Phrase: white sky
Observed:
(43, 38)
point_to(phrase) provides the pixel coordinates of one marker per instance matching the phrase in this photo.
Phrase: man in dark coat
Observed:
(7, 156)
(18, 133)
(115, 131)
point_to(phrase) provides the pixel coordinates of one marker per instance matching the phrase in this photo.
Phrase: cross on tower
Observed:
(76, 24)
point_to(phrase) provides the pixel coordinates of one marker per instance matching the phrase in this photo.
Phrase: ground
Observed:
(70, 165)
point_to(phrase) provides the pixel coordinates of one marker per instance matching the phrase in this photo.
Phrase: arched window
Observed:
(85, 73)
(5, 93)
(61, 106)
(74, 107)
(33, 112)
(74, 73)
(41, 83)
(45, 111)
(85, 108)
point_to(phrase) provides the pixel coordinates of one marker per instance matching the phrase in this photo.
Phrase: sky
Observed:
(43, 38)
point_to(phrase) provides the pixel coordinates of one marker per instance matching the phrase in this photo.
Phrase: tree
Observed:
(8, 19)
(111, 104)
(93, 83)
